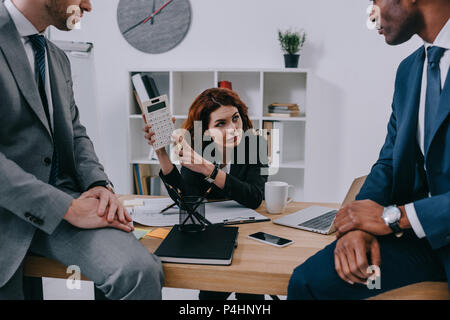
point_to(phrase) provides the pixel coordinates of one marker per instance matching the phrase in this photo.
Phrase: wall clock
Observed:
(154, 26)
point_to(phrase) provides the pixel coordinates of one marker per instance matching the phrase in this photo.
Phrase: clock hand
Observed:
(153, 10)
(157, 11)
(148, 18)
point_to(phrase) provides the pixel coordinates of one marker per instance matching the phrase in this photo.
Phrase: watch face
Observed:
(391, 214)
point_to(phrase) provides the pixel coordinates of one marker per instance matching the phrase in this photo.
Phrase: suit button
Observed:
(47, 161)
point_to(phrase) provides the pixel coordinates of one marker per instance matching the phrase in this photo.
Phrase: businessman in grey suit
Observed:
(55, 198)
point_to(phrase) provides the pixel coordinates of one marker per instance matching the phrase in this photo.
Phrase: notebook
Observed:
(215, 245)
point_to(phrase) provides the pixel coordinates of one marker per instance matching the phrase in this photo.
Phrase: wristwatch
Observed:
(391, 216)
(213, 175)
(105, 183)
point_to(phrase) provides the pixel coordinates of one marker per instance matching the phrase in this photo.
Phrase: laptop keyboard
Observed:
(321, 222)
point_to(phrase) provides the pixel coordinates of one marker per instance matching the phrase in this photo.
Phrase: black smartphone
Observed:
(270, 239)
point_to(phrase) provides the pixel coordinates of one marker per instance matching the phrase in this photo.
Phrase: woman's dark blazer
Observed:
(244, 183)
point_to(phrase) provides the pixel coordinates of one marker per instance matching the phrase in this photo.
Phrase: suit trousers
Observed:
(120, 266)
(404, 261)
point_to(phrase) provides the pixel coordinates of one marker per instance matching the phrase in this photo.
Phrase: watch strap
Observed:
(395, 227)
(213, 175)
(104, 183)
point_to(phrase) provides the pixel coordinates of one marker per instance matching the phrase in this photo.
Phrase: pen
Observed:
(249, 220)
(168, 207)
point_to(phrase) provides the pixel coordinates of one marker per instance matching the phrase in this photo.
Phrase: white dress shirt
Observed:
(443, 41)
(26, 29)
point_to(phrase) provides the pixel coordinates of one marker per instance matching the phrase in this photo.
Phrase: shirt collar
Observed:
(443, 38)
(23, 25)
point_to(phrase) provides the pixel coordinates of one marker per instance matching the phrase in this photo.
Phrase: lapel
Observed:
(62, 118)
(404, 155)
(12, 48)
(58, 82)
(442, 113)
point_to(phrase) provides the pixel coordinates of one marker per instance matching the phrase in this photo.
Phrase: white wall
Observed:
(354, 73)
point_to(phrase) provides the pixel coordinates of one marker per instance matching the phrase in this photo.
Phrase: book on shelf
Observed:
(150, 86)
(137, 183)
(274, 134)
(141, 173)
(146, 183)
(283, 110)
(267, 134)
(155, 186)
(215, 246)
(283, 115)
(145, 88)
(277, 143)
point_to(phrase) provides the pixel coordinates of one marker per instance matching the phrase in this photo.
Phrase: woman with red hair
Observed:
(218, 164)
(223, 119)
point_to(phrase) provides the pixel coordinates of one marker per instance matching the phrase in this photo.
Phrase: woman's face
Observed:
(225, 126)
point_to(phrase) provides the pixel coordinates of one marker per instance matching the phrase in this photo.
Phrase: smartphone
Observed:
(270, 239)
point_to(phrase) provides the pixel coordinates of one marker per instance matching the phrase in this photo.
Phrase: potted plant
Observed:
(291, 43)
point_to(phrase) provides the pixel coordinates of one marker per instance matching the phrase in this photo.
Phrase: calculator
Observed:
(157, 113)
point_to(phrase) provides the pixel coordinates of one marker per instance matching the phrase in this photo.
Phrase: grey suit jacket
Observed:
(27, 201)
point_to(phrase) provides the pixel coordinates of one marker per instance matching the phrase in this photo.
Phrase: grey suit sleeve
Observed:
(89, 170)
(31, 199)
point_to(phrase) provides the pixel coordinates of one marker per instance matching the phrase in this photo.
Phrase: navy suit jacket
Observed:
(397, 177)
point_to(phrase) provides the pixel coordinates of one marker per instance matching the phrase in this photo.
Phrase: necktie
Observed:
(38, 43)
(433, 93)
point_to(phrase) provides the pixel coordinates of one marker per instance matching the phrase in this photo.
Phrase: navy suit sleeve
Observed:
(378, 184)
(434, 216)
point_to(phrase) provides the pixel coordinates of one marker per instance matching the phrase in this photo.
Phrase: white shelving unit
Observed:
(258, 88)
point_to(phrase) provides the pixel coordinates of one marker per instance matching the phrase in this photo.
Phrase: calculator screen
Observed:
(156, 107)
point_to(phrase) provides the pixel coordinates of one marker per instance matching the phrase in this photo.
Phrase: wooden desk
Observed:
(256, 268)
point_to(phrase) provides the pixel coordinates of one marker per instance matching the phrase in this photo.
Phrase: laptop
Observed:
(319, 219)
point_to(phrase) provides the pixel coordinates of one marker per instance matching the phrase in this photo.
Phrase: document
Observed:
(231, 212)
(150, 213)
(226, 212)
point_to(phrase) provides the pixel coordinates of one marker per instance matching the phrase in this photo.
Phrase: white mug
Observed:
(276, 196)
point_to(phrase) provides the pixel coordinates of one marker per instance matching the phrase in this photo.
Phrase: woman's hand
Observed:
(163, 157)
(191, 159)
(150, 135)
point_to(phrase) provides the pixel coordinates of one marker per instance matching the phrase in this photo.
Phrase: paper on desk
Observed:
(150, 214)
(140, 233)
(230, 211)
(215, 212)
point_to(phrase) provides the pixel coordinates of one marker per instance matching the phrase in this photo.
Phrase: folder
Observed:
(215, 246)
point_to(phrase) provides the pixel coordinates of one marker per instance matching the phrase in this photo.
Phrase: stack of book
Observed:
(145, 183)
(284, 110)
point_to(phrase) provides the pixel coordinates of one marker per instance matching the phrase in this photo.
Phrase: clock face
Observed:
(154, 26)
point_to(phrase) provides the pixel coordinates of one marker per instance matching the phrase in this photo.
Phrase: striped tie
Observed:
(39, 43)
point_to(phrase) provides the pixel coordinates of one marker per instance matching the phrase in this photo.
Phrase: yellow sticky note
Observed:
(160, 233)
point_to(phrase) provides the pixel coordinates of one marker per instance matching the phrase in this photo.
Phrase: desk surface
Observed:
(256, 268)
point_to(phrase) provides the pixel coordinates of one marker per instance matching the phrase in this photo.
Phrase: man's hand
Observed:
(83, 213)
(109, 203)
(350, 256)
(362, 215)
